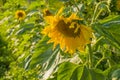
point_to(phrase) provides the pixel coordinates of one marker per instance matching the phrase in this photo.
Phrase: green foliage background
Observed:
(25, 54)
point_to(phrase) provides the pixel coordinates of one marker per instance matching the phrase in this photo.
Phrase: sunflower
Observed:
(118, 5)
(20, 14)
(68, 33)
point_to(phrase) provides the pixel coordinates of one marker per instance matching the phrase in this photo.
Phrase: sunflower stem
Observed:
(96, 12)
(99, 62)
(90, 56)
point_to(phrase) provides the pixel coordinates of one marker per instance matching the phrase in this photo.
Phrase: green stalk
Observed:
(96, 12)
(99, 62)
(90, 56)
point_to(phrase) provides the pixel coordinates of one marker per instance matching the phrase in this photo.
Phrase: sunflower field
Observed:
(59, 39)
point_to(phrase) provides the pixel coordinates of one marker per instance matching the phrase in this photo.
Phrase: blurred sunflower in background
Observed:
(20, 14)
(67, 32)
(115, 6)
(46, 12)
(118, 5)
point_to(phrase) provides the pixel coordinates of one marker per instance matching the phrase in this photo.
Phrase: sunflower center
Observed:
(65, 29)
(20, 14)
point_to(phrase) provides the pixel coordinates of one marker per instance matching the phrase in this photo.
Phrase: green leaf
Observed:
(71, 71)
(91, 74)
(116, 74)
(42, 52)
(80, 73)
(109, 73)
(66, 70)
(109, 19)
(55, 4)
(109, 28)
(25, 28)
(96, 75)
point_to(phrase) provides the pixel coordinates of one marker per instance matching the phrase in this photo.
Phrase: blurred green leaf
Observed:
(109, 73)
(54, 4)
(116, 75)
(66, 70)
(109, 28)
(71, 71)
